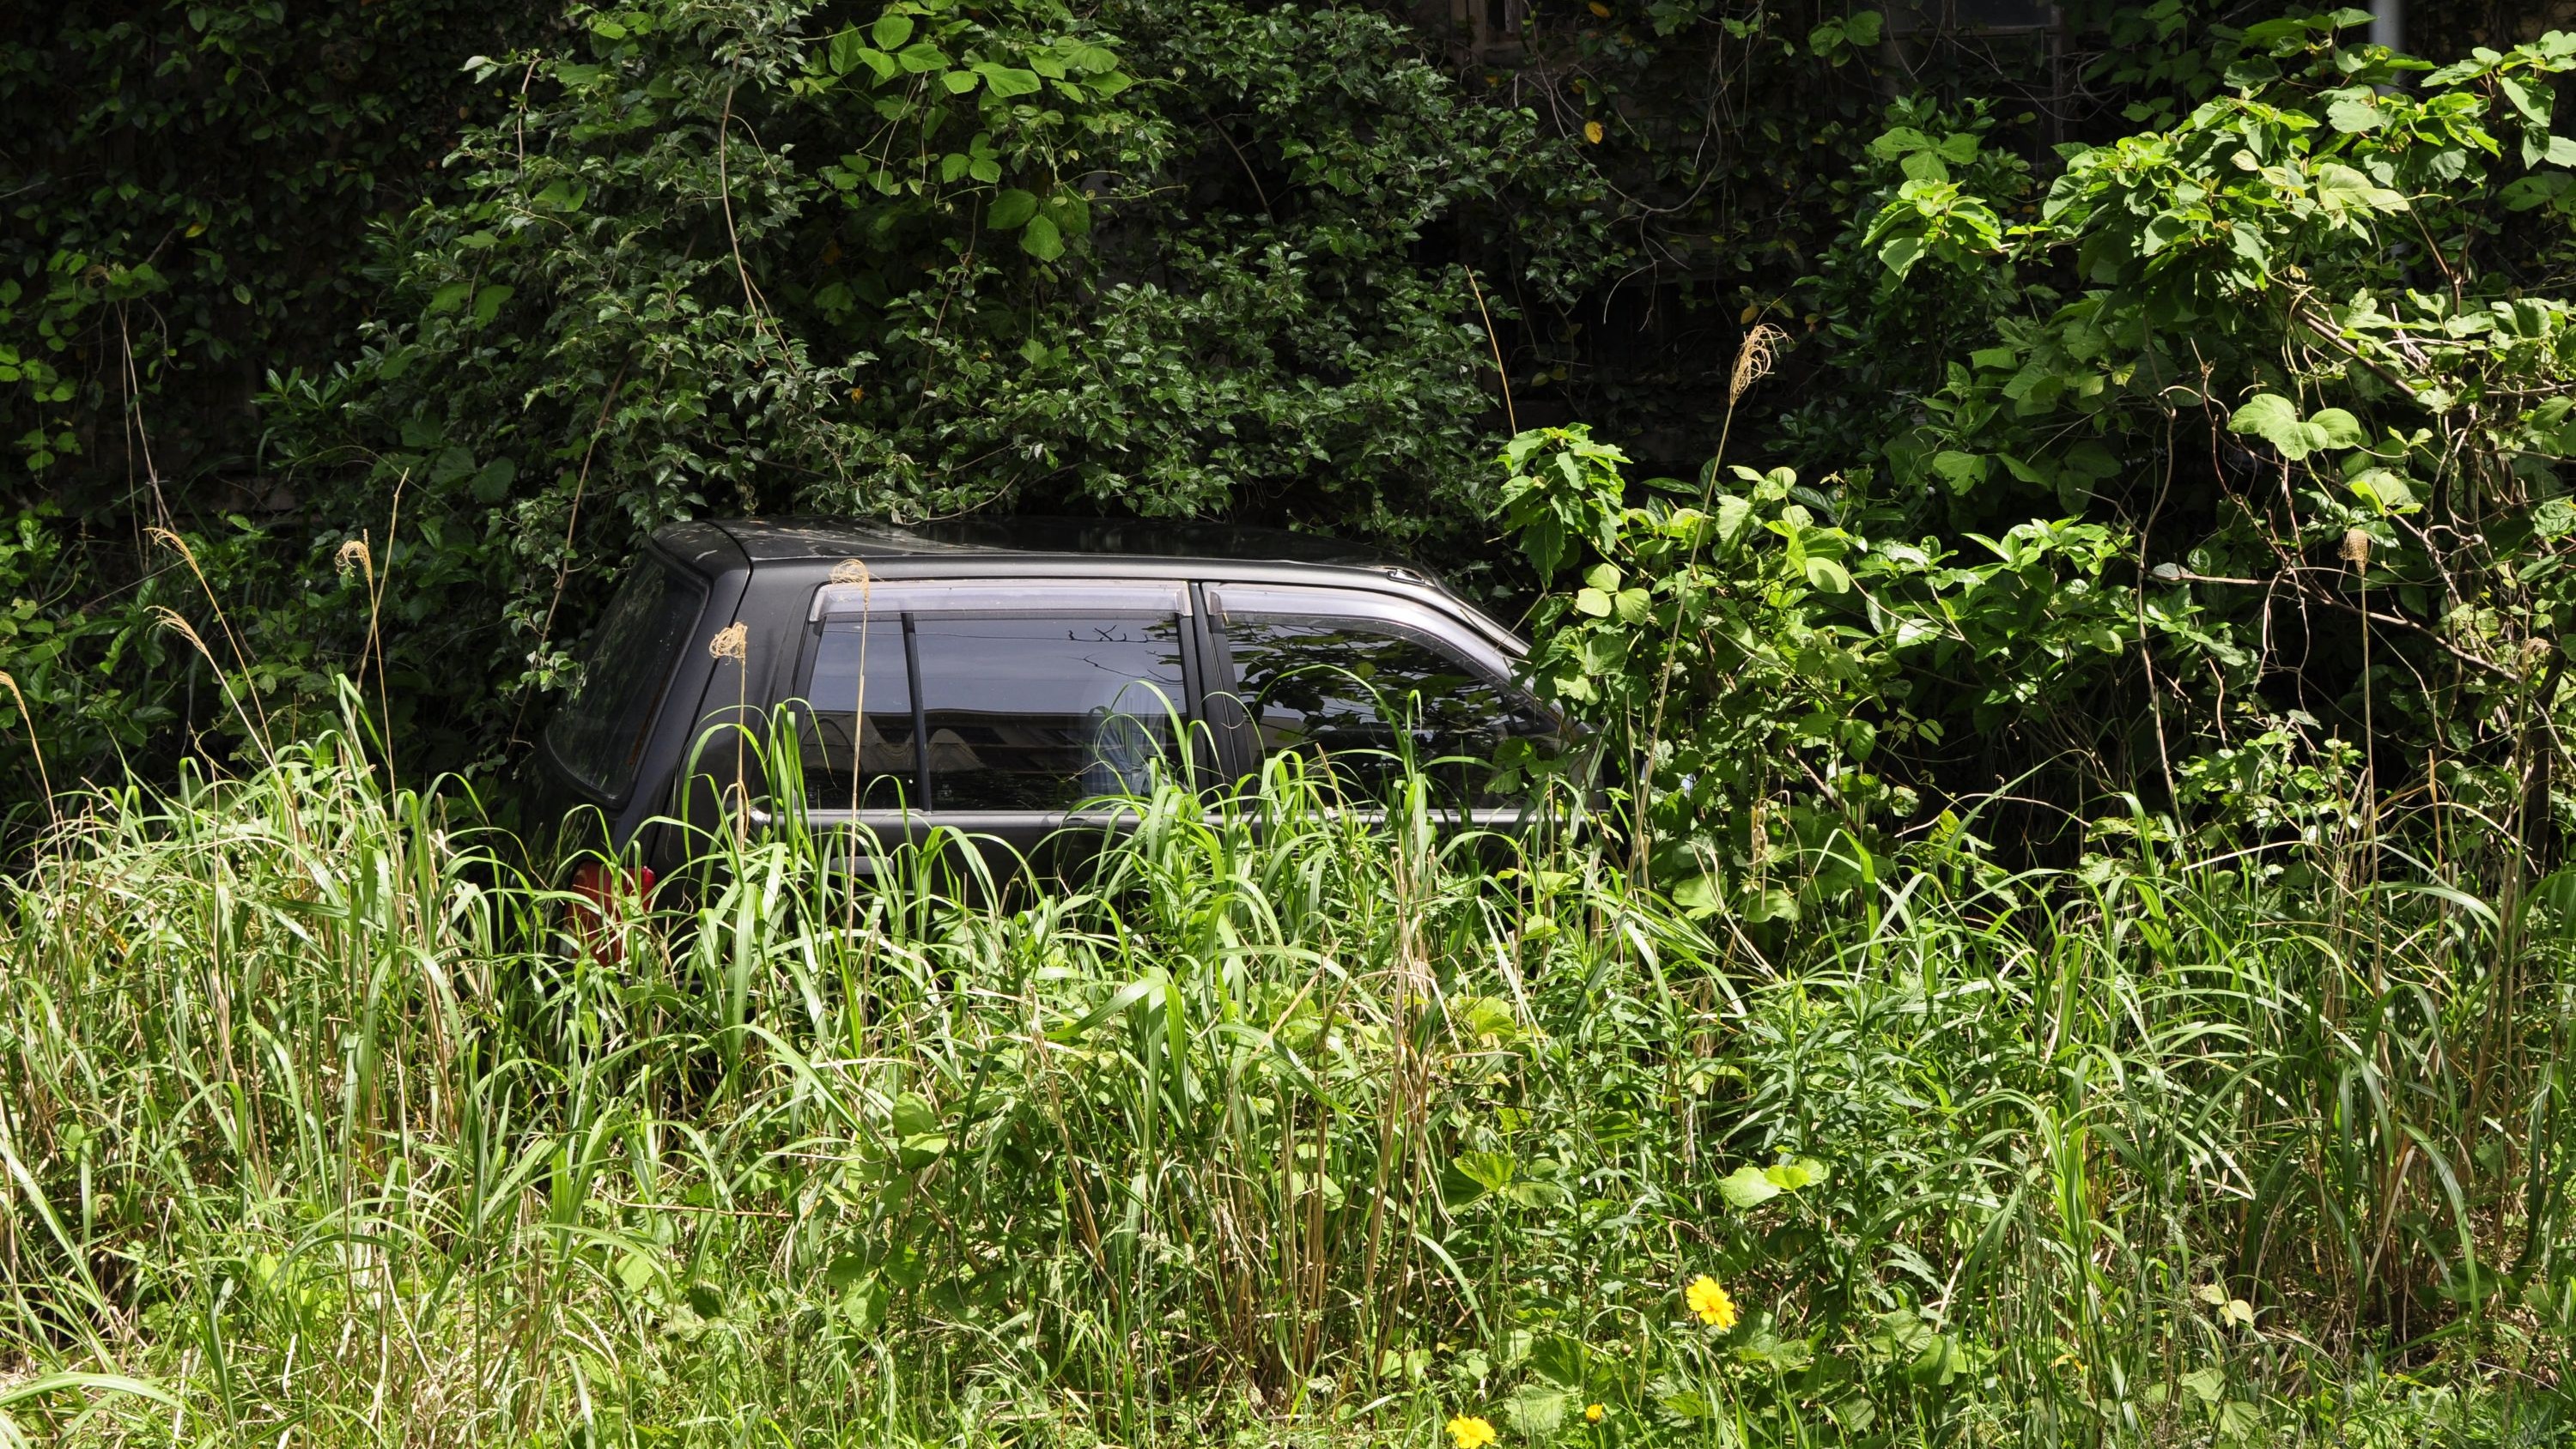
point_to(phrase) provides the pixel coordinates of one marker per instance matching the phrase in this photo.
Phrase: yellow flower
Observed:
(1710, 1302)
(1592, 132)
(1469, 1432)
(1592, 1413)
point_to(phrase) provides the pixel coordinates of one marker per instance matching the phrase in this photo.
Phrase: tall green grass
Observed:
(1288, 1125)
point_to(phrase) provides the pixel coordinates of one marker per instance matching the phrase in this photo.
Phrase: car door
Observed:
(1014, 711)
(1366, 685)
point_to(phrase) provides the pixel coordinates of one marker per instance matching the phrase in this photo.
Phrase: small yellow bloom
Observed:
(1592, 132)
(1469, 1432)
(1593, 1413)
(1710, 1302)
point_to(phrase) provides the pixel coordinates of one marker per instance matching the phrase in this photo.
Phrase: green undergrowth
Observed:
(320, 1124)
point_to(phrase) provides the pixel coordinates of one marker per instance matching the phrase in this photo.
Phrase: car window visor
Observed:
(1329, 603)
(886, 598)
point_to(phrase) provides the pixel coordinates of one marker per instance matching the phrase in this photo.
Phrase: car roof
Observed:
(785, 540)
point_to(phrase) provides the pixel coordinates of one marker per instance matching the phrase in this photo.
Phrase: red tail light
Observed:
(605, 896)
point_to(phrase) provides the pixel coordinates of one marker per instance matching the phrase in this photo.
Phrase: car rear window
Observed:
(599, 734)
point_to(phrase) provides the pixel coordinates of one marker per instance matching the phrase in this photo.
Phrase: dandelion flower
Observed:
(1593, 1413)
(1469, 1432)
(1710, 1302)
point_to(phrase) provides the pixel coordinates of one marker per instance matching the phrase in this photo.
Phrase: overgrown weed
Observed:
(1290, 1124)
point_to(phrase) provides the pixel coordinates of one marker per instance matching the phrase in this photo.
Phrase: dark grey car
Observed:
(993, 677)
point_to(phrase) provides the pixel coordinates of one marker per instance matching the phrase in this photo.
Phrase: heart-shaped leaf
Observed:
(1041, 240)
(1010, 210)
(1747, 1187)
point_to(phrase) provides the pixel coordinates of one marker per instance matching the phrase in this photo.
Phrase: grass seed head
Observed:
(355, 554)
(1754, 359)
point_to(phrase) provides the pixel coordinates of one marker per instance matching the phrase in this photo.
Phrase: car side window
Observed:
(1362, 695)
(993, 709)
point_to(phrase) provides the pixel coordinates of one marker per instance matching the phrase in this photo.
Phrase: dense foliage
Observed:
(537, 279)
(744, 259)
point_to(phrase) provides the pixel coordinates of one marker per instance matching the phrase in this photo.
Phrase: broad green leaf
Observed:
(959, 82)
(1864, 27)
(1011, 209)
(1962, 471)
(1592, 603)
(2342, 189)
(2354, 114)
(914, 1115)
(921, 57)
(1040, 239)
(843, 54)
(1089, 58)
(1535, 1411)
(890, 31)
(1900, 141)
(2534, 101)
(2275, 419)
(1767, 1349)
(1828, 575)
(1797, 1173)
(2384, 490)
(1747, 1187)
(1070, 211)
(2336, 428)
(1007, 81)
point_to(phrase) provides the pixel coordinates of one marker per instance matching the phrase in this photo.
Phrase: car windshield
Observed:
(599, 734)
